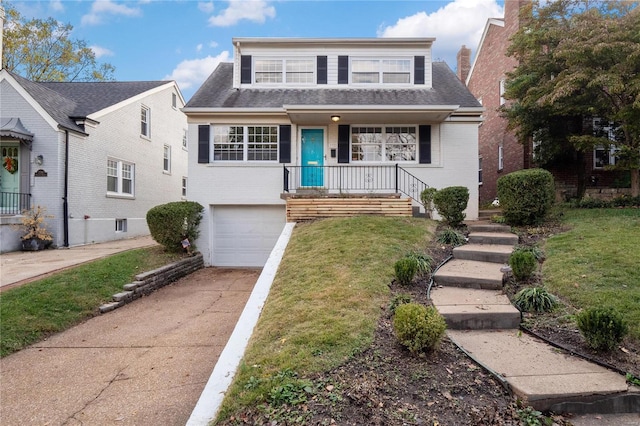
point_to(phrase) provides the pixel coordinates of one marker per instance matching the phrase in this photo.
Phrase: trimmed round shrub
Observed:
(170, 223)
(602, 328)
(526, 196)
(451, 202)
(523, 264)
(535, 299)
(406, 269)
(418, 327)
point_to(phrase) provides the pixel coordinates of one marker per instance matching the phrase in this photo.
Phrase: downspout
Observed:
(65, 202)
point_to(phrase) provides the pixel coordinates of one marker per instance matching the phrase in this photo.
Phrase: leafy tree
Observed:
(43, 50)
(578, 60)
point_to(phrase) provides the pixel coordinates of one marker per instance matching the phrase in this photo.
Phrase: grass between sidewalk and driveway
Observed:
(36, 310)
(324, 303)
(596, 262)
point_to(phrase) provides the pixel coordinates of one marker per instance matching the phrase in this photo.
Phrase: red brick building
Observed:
(499, 150)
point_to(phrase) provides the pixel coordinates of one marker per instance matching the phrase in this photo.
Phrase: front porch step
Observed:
(506, 238)
(472, 309)
(486, 226)
(488, 214)
(470, 274)
(495, 253)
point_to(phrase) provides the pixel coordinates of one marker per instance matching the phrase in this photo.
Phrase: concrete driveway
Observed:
(143, 364)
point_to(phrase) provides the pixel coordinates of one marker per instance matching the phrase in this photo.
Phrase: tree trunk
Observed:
(635, 182)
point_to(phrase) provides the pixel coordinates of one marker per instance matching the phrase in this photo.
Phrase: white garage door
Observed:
(245, 235)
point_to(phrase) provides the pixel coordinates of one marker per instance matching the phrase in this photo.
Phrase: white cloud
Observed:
(199, 47)
(102, 8)
(206, 7)
(193, 72)
(459, 22)
(213, 44)
(101, 51)
(251, 10)
(56, 5)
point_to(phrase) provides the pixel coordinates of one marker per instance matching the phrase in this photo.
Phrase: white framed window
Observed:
(166, 159)
(184, 186)
(479, 170)
(282, 70)
(502, 101)
(174, 100)
(121, 225)
(184, 138)
(145, 121)
(386, 71)
(245, 143)
(500, 157)
(120, 177)
(383, 143)
(604, 156)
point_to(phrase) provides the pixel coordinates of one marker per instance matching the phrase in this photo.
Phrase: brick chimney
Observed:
(464, 63)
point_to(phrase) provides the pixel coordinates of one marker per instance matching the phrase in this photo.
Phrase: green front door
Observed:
(312, 157)
(10, 175)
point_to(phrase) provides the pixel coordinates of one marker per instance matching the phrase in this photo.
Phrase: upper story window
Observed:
(166, 163)
(120, 177)
(245, 143)
(288, 71)
(174, 100)
(389, 143)
(184, 138)
(145, 121)
(386, 71)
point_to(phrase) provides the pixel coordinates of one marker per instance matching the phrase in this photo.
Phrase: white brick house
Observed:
(339, 116)
(97, 155)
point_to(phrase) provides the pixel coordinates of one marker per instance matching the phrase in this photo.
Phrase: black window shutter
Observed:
(322, 69)
(203, 144)
(424, 144)
(343, 143)
(245, 69)
(343, 70)
(285, 143)
(418, 70)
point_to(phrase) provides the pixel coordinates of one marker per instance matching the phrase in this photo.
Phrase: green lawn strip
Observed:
(324, 302)
(33, 311)
(596, 262)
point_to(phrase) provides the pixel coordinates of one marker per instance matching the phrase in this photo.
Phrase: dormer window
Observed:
(288, 71)
(387, 71)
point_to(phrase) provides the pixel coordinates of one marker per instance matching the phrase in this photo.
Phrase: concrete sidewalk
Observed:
(24, 266)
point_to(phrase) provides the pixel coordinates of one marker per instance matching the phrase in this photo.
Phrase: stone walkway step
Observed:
(495, 253)
(542, 376)
(473, 309)
(488, 214)
(506, 238)
(486, 226)
(470, 274)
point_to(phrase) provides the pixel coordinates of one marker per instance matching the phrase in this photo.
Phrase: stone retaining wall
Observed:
(148, 282)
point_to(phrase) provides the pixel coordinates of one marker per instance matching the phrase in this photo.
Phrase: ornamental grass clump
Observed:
(451, 237)
(602, 328)
(418, 327)
(423, 262)
(406, 270)
(535, 299)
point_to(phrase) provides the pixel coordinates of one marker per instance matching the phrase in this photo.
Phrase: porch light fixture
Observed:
(39, 160)
(335, 118)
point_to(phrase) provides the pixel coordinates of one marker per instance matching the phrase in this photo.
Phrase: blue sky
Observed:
(184, 40)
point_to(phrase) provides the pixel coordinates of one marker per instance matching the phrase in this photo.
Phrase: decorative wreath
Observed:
(10, 164)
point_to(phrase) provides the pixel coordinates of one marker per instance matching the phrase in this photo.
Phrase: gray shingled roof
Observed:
(67, 101)
(218, 92)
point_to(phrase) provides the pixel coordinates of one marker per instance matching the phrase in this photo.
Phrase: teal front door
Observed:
(312, 157)
(10, 176)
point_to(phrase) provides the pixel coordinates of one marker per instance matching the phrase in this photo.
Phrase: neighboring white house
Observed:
(97, 155)
(335, 115)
